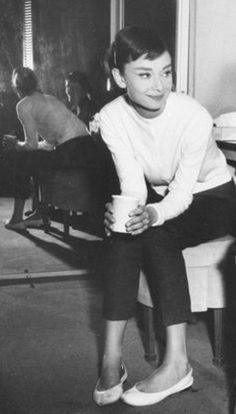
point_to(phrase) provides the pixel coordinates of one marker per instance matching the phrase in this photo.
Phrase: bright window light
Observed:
(28, 58)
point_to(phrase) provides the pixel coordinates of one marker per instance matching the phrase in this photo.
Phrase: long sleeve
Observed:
(195, 141)
(130, 172)
(174, 152)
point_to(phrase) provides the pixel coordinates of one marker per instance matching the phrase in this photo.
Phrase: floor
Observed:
(33, 252)
(51, 337)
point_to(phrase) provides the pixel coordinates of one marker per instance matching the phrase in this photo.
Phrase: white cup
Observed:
(122, 206)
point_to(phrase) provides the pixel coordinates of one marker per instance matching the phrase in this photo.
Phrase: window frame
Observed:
(184, 38)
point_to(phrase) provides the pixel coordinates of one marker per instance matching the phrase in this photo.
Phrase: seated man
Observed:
(79, 97)
(65, 142)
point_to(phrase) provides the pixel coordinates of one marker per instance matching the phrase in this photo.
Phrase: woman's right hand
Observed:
(108, 219)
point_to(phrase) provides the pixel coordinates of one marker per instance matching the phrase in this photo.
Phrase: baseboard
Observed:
(30, 277)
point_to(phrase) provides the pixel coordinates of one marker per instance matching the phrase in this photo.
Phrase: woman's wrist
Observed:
(153, 215)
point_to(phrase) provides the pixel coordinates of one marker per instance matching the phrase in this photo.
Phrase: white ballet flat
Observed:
(113, 394)
(138, 398)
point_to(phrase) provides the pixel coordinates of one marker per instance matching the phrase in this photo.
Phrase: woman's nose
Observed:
(157, 83)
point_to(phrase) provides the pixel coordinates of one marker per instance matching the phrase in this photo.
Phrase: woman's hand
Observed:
(9, 142)
(141, 219)
(108, 219)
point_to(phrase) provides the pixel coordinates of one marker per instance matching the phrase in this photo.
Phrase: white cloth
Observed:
(225, 129)
(174, 151)
(226, 120)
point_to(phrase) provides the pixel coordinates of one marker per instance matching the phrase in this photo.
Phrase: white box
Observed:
(224, 133)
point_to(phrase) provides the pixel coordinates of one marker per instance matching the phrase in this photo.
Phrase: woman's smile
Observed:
(156, 97)
(149, 83)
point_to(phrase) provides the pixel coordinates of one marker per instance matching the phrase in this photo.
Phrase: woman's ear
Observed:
(118, 78)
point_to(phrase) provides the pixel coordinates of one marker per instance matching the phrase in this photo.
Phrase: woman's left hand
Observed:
(141, 219)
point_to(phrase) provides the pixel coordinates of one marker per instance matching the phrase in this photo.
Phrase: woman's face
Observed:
(148, 83)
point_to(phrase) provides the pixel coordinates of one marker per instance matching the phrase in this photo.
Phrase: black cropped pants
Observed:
(159, 250)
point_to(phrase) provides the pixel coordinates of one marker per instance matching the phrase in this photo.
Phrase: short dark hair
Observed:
(132, 42)
(24, 81)
(78, 78)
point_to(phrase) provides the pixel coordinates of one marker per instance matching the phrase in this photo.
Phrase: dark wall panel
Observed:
(157, 14)
(11, 14)
(69, 35)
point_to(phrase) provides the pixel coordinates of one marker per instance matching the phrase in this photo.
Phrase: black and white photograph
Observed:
(118, 206)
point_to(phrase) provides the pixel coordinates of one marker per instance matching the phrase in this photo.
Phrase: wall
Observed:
(10, 57)
(74, 34)
(69, 35)
(10, 42)
(215, 55)
(11, 36)
(159, 15)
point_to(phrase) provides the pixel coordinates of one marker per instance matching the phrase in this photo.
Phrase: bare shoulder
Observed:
(24, 106)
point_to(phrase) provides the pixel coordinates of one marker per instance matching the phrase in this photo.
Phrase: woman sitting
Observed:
(165, 157)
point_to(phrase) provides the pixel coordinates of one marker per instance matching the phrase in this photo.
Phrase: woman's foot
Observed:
(164, 377)
(161, 384)
(105, 394)
(111, 373)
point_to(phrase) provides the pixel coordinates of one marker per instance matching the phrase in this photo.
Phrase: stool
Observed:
(71, 191)
(206, 287)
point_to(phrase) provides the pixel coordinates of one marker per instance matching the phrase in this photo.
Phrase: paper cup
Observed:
(122, 206)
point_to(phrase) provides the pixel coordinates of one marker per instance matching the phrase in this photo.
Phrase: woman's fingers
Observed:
(108, 216)
(109, 207)
(108, 219)
(139, 222)
(137, 211)
(139, 226)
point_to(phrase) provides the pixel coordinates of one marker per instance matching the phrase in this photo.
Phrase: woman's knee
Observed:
(163, 236)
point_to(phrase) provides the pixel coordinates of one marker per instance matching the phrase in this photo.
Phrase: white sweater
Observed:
(174, 151)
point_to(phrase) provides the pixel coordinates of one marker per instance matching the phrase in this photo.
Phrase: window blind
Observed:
(28, 59)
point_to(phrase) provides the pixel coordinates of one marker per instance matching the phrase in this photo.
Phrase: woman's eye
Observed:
(144, 75)
(167, 74)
